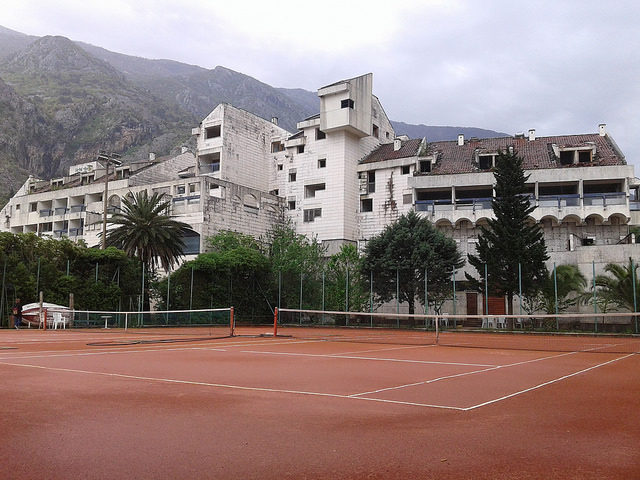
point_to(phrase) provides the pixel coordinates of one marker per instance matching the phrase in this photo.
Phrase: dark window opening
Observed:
(376, 131)
(406, 170)
(291, 204)
(588, 241)
(566, 158)
(584, 157)
(348, 103)
(366, 205)
(279, 166)
(310, 190)
(212, 132)
(320, 135)
(292, 176)
(371, 181)
(277, 146)
(311, 214)
(485, 162)
(322, 163)
(425, 166)
(300, 148)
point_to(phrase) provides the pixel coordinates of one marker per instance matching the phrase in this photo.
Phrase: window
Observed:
(300, 148)
(588, 241)
(33, 207)
(406, 169)
(407, 199)
(279, 166)
(366, 205)
(322, 162)
(584, 157)
(376, 131)
(320, 135)
(292, 176)
(194, 187)
(348, 103)
(212, 132)
(277, 146)
(566, 158)
(17, 207)
(386, 134)
(180, 189)
(485, 162)
(310, 190)
(311, 214)
(291, 204)
(425, 166)
(371, 182)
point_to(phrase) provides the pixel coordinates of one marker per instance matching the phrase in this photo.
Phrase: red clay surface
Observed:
(274, 408)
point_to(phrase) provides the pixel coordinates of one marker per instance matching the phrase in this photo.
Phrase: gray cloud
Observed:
(559, 67)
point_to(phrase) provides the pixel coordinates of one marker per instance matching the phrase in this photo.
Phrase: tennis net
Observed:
(610, 333)
(62, 317)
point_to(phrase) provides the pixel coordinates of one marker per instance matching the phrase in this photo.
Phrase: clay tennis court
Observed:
(197, 404)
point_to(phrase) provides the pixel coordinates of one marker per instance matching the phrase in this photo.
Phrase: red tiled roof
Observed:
(452, 158)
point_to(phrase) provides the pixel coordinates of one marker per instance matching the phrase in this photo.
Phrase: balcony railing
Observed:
(559, 201)
(604, 199)
(75, 232)
(473, 203)
(433, 205)
(47, 212)
(60, 210)
(209, 167)
(77, 208)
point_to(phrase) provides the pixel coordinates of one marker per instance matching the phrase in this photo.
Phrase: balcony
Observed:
(77, 208)
(209, 167)
(604, 199)
(559, 201)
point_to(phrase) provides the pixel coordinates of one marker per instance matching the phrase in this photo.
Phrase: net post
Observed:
(437, 329)
(232, 322)
(126, 321)
(275, 322)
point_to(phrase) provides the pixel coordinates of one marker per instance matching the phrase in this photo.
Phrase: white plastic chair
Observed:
(501, 322)
(58, 320)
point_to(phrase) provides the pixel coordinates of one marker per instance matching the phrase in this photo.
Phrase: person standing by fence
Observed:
(17, 314)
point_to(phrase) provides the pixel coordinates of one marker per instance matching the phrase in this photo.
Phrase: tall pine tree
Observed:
(511, 240)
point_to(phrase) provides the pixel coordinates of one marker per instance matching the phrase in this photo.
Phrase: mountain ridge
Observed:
(62, 101)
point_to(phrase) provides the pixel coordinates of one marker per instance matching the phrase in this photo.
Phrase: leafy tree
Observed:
(342, 268)
(294, 256)
(145, 231)
(617, 287)
(234, 272)
(511, 238)
(58, 267)
(404, 250)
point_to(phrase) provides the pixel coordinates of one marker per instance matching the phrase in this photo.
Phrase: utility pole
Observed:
(107, 159)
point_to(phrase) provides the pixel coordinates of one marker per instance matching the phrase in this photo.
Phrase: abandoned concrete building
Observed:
(345, 175)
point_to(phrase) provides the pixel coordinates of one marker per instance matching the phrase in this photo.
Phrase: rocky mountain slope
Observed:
(63, 101)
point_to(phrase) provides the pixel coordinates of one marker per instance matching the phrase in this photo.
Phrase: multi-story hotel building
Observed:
(345, 175)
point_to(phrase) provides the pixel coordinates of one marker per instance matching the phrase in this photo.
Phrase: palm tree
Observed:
(569, 283)
(619, 287)
(145, 231)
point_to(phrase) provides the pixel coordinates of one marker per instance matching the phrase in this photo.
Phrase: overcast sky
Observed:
(559, 66)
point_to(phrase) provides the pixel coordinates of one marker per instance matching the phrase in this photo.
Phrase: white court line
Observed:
(16, 355)
(235, 387)
(351, 357)
(385, 349)
(447, 377)
(545, 383)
